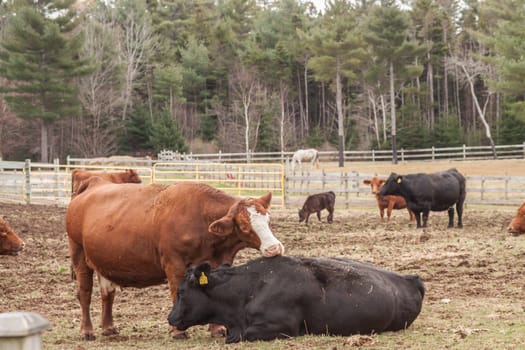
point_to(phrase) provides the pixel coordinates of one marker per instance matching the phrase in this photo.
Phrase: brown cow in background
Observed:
(317, 202)
(388, 202)
(10, 243)
(78, 176)
(143, 235)
(517, 225)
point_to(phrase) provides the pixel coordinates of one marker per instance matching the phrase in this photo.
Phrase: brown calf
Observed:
(10, 243)
(387, 202)
(517, 225)
(317, 202)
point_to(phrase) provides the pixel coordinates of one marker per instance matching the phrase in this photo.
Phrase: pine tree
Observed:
(39, 57)
(338, 55)
(387, 32)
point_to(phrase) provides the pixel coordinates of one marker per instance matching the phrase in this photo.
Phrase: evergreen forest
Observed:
(92, 78)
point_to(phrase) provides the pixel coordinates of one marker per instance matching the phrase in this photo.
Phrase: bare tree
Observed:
(247, 94)
(136, 41)
(473, 70)
(99, 92)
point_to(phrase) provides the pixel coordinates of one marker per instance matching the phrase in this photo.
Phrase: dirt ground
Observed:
(474, 278)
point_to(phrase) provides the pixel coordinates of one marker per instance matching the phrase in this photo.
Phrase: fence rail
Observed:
(433, 153)
(28, 182)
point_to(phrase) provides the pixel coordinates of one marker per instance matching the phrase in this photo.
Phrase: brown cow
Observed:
(517, 225)
(143, 235)
(78, 176)
(10, 243)
(387, 202)
(317, 202)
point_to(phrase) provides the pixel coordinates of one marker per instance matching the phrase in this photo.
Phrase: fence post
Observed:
(21, 330)
(323, 180)
(506, 187)
(433, 153)
(465, 151)
(482, 186)
(347, 205)
(27, 172)
(373, 155)
(402, 154)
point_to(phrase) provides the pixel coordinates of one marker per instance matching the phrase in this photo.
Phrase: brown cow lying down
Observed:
(388, 202)
(317, 202)
(517, 225)
(78, 176)
(10, 243)
(142, 235)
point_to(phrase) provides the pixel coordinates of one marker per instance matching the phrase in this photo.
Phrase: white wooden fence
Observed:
(28, 182)
(433, 153)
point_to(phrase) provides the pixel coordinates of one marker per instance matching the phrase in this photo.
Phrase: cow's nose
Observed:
(274, 250)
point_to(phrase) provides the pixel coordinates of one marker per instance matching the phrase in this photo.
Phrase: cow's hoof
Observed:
(110, 331)
(88, 336)
(218, 331)
(180, 335)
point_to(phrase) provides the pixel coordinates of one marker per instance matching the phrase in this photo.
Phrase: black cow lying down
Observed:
(284, 297)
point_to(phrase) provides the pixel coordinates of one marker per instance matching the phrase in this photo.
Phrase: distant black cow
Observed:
(425, 192)
(284, 297)
(317, 202)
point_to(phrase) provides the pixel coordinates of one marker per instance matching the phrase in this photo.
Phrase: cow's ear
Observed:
(266, 199)
(201, 273)
(399, 179)
(222, 227)
(382, 181)
(366, 182)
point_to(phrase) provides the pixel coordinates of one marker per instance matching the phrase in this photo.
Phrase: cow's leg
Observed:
(450, 217)
(271, 330)
(307, 216)
(411, 214)
(425, 217)
(459, 209)
(389, 209)
(382, 212)
(418, 219)
(107, 292)
(84, 277)
(319, 215)
(330, 215)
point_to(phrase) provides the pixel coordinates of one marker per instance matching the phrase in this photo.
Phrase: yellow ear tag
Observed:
(203, 280)
(398, 180)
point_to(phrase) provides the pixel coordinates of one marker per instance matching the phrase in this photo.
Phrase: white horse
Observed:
(305, 155)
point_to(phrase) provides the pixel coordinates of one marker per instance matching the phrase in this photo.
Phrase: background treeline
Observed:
(95, 78)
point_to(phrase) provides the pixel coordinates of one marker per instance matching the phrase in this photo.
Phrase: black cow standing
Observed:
(317, 202)
(425, 192)
(284, 297)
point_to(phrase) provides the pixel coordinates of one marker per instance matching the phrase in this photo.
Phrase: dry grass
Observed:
(474, 279)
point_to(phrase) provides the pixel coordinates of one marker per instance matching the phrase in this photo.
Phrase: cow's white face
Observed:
(270, 246)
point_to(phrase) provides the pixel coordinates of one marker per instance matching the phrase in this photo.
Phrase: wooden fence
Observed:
(28, 182)
(433, 153)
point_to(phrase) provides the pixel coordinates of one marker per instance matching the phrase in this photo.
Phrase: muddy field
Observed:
(475, 280)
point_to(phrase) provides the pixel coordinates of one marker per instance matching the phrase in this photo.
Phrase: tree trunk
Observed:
(306, 109)
(383, 110)
(301, 108)
(430, 80)
(374, 112)
(481, 112)
(393, 111)
(340, 119)
(44, 158)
